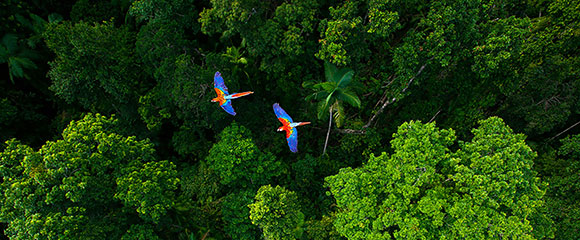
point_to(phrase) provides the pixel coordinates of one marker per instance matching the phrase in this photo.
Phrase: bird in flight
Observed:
(289, 126)
(223, 97)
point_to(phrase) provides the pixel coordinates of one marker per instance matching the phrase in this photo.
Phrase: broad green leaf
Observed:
(327, 86)
(322, 110)
(328, 98)
(15, 68)
(349, 98)
(345, 78)
(316, 96)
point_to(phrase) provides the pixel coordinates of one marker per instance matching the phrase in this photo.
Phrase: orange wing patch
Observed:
(220, 96)
(284, 121)
(289, 131)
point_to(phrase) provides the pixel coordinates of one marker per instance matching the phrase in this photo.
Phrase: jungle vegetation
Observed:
(451, 119)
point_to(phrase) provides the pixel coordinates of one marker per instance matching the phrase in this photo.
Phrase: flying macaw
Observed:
(223, 97)
(289, 126)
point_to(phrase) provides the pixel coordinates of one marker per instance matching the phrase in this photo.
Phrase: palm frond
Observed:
(327, 101)
(308, 84)
(10, 41)
(322, 110)
(329, 71)
(15, 68)
(349, 98)
(327, 86)
(345, 78)
(25, 62)
(28, 53)
(316, 96)
(339, 114)
(38, 24)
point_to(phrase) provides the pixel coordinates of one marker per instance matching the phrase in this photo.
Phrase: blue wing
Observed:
(293, 140)
(280, 113)
(227, 106)
(218, 82)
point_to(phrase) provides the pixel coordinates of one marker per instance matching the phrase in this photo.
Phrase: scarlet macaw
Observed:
(223, 97)
(289, 126)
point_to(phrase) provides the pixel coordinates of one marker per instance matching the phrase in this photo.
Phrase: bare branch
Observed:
(350, 131)
(343, 131)
(205, 235)
(328, 133)
(394, 99)
(413, 78)
(574, 125)
(379, 112)
(434, 116)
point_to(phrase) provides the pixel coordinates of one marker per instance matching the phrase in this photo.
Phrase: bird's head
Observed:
(280, 129)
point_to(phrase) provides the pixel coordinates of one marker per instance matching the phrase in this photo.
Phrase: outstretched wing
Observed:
(218, 82)
(292, 138)
(227, 106)
(283, 117)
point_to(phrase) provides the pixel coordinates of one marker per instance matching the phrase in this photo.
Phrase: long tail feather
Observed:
(237, 95)
(303, 123)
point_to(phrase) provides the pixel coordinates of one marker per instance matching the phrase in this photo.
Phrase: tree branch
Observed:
(350, 131)
(394, 99)
(574, 125)
(434, 116)
(205, 235)
(328, 133)
(343, 131)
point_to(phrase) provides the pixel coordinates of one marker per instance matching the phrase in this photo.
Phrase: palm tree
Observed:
(332, 94)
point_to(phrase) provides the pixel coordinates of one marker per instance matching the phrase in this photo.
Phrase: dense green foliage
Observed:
(91, 184)
(108, 131)
(484, 190)
(277, 212)
(236, 215)
(563, 194)
(239, 162)
(94, 65)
